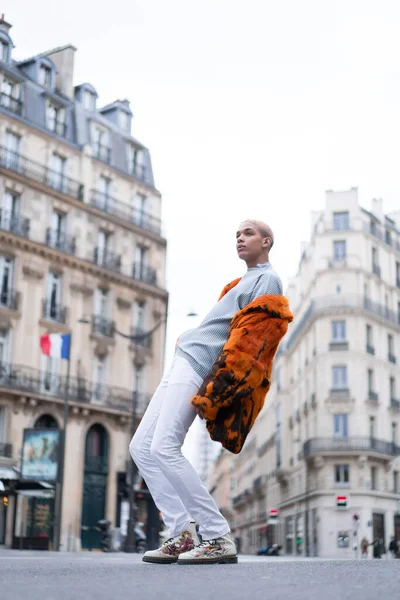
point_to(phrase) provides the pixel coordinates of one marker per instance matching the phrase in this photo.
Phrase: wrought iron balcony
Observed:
(9, 299)
(144, 273)
(145, 341)
(57, 127)
(54, 312)
(20, 378)
(13, 161)
(5, 450)
(339, 392)
(102, 152)
(102, 326)
(376, 269)
(124, 211)
(14, 223)
(12, 104)
(60, 241)
(108, 260)
(316, 446)
(391, 358)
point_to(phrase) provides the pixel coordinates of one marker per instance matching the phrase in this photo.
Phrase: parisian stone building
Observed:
(82, 250)
(324, 452)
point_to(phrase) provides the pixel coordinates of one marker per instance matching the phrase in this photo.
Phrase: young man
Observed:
(202, 381)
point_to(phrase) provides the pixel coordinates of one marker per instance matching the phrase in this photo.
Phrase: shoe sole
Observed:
(221, 560)
(160, 561)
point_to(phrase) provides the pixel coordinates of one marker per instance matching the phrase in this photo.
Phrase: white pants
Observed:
(156, 446)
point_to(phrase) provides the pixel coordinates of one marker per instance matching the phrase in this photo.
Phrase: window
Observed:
(55, 119)
(51, 378)
(99, 377)
(57, 230)
(11, 150)
(340, 425)
(57, 173)
(139, 210)
(139, 386)
(3, 424)
(374, 482)
(339, 250)
(370, 381)
(340, 221)
(103, 192)
(103, 242)
(375, 262)
(139, 315)
(338, 331)
(101, 303)
(339, 377)
(388, 237)
(394, 433)
(396, 489)
(278, 445)
(342, 474)
(53, 297)
(101, 143)
(390, 346)
(398, 274)
(141, 255)
(372, 427)
(368, 330)
(89, 100)
(10, 211)
(6, 281)
(135, 160)
(4, 345)
(45, 76)
(392, 386)
(10, 95)
(4, 50)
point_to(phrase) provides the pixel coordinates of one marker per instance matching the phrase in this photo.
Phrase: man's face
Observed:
(249, 241)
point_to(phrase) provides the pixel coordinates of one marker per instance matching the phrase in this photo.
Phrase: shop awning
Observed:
(8, 473)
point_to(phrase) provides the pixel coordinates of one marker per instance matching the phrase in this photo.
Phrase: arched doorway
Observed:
(94, 485)
(46, 422)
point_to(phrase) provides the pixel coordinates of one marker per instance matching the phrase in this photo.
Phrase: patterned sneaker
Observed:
(168, 553)
(221, 550)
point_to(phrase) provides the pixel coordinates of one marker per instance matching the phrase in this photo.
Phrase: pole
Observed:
(60, 473)
(130, 543)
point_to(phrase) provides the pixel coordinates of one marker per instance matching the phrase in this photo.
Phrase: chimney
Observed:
(63, 58)
(4, 25)
(377, 209)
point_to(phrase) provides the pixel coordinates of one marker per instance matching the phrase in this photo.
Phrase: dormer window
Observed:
(10, 95)
(101, 143)
(124, 120)
(135, 162)
(89, 100)
(45, 76)
(4, 51)
(55, 118)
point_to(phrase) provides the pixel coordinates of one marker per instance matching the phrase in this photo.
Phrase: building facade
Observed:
(325, 450)
(82, 251)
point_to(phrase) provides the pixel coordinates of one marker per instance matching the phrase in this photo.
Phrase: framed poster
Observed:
(40, 451)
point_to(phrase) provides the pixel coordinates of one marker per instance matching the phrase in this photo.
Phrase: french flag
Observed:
(56, 345)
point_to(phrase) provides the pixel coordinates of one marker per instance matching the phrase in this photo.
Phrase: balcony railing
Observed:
(12, 104)
(9, 299)
(144, 273)
(102, 326)
(60, 241)
(102, 152)
(5, 450)
(144, 341)
(108, 260)
(28, 168)
(54, 312)
(13, 222)
(351, 444)
(124, 211)
(24, 379)
(339, 392)
(376, 269)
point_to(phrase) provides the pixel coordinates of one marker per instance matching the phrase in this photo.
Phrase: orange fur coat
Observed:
(233, 393)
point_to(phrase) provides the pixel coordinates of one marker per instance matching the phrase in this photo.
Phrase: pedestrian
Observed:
(364, 548)
(393, 547)
(221, 371)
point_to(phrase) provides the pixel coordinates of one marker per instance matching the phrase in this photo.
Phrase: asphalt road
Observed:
(51, 576)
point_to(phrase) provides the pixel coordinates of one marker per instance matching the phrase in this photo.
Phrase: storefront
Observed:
(34, 517)
(8, 479)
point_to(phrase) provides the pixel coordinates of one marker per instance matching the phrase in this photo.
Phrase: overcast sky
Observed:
(250, 109)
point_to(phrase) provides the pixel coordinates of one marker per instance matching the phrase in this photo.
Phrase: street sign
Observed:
(342, 501)
(273, 512)
(273, 516)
